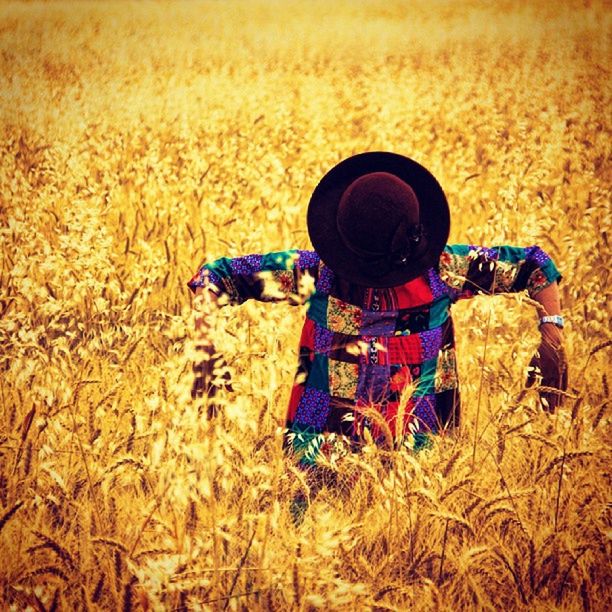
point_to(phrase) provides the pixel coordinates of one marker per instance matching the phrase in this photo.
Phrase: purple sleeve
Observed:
(272, 277)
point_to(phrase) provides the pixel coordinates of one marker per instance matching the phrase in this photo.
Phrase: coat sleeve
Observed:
(469, 270)
(272, 277)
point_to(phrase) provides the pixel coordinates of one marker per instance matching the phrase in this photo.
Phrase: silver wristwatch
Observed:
(554, 319)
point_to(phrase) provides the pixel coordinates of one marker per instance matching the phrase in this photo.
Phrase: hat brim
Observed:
(323, 208)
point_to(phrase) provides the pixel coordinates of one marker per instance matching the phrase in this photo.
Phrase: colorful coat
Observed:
(375, 364)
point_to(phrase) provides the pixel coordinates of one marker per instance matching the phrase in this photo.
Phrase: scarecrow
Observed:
(377, 351)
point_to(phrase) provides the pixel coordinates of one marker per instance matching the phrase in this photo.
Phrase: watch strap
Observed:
(554, 319)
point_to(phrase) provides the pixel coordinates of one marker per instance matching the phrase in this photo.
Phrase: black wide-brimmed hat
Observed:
(378, 219)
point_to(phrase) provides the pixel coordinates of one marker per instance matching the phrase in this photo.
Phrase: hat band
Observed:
(409, 242)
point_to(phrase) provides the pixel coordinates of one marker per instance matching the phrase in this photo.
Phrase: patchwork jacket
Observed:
(375, 365)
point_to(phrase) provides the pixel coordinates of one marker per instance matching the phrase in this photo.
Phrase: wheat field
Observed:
(140, 139)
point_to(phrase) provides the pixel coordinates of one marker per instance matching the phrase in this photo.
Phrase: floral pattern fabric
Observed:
(374, 361)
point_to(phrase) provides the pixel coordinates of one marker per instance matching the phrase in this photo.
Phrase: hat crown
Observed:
(371, 210)
(378, 219)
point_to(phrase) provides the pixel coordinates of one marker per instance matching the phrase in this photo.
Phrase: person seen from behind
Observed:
(377, 355)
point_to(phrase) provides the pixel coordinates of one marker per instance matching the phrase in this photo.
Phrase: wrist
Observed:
(555, 319)
(552, 334)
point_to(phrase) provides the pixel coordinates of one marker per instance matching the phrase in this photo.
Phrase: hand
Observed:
(551, 365)
(206, 381)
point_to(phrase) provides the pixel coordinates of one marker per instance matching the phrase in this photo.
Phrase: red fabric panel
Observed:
(308, 335)
(414, 293)
(391, 417)
(403, 350)
(294, 400)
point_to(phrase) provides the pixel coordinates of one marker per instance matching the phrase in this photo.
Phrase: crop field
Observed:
(141, 139)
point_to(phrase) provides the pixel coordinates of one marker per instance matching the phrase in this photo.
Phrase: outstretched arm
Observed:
(287, 276)
(280, 276)
(470, 270)
(550, 362)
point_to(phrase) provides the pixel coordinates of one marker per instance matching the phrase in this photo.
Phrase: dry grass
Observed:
(139, 139)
